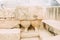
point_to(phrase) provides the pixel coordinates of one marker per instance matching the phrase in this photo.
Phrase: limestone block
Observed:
(36, 24)
(9, 34)
(30, 36)
(25, 24)
(33, 38)
(7, 24)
